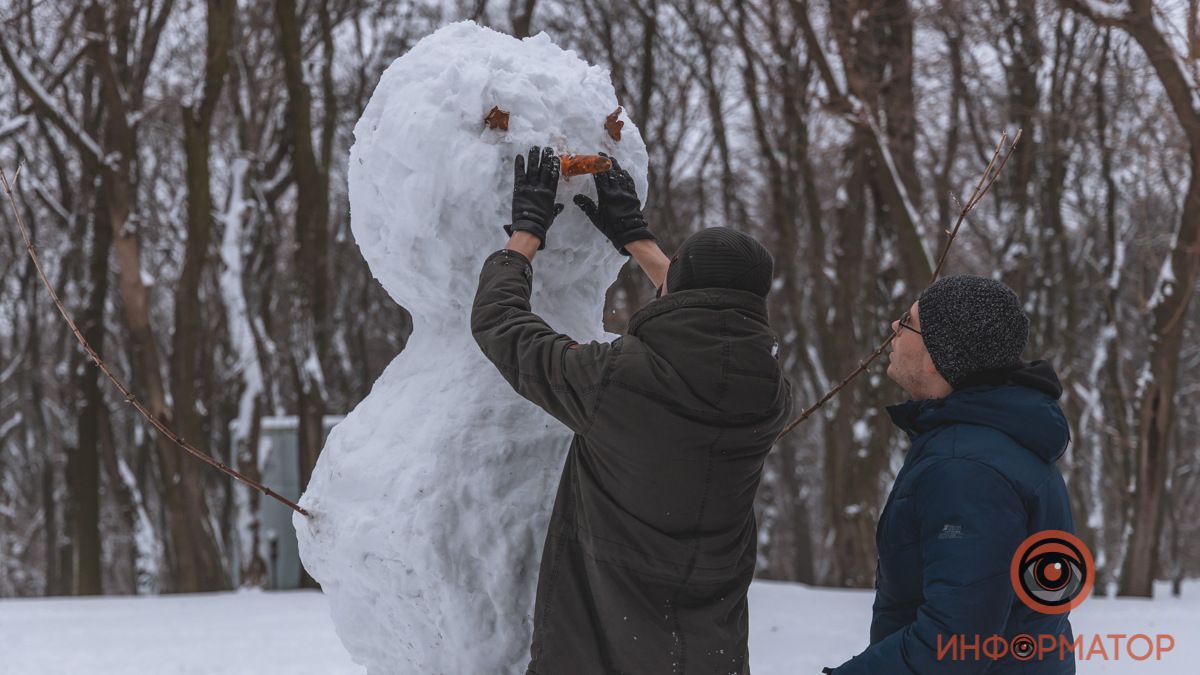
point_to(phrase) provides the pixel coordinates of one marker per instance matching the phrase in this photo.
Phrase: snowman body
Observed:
(430, 500)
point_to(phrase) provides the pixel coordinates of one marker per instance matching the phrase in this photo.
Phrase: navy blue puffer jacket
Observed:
(980, 478)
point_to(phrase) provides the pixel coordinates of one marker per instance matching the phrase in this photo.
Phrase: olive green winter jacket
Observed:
(651, 544)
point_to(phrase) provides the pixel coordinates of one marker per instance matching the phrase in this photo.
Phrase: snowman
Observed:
(430, 501)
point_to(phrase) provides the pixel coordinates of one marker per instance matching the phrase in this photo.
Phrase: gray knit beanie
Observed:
(719, 257)
(971, 324)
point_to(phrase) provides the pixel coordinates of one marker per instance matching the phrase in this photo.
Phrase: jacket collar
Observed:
(707, 298)
(1024, 409)
(907, 416)
(915, 417)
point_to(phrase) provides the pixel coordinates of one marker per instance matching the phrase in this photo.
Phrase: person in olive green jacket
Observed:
(652, 540)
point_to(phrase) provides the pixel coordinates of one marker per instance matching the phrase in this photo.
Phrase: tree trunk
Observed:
(1024, 97)
(522, 17)
(875, 44)
(84, 460)
(312, 181)
(893, 23)
(1168, 308)
(189, 331)
(310, 337)
(851, 492)
(193, 549)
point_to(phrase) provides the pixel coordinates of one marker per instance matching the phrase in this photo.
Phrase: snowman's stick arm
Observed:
(117, 382)
(990, 174)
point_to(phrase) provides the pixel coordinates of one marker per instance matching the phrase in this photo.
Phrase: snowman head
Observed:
(431, 183)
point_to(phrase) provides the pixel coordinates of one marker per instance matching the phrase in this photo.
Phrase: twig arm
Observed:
(117, 382)
(986, 181)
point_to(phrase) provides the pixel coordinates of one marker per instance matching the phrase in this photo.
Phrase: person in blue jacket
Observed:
(980, 477)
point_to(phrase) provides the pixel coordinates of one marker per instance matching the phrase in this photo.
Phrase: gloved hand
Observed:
(534, 187)
(619, 215)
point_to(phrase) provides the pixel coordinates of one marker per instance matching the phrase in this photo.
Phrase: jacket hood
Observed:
(718, 343)
(1021, 401)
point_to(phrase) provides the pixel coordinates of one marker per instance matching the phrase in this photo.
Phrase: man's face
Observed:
(910, 365)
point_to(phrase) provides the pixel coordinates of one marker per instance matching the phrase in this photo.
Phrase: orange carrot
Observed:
(578, 165)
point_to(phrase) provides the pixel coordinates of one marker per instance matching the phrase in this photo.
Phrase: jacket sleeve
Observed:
(548, 368)
(967, 590)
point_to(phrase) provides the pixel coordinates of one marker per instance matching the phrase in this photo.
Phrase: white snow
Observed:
(1105, 9)
(1114, 279)
(430, 501)
(13, 124)
(241, 332)
(1163, 288)
(794, 630)
(146, 541)
(1090, 420)
(862, 431)
(1187, 68)
(218, 634)
(819, 368)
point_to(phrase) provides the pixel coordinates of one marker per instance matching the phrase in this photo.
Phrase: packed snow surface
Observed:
(430, 501)
(794, 630)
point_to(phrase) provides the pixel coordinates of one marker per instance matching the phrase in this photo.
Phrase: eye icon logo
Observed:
(1053, 572)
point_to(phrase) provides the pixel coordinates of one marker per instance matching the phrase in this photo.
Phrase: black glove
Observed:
(619, 215)
(534, 189)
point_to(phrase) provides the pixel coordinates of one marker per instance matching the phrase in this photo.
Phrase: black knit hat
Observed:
(971, 324)
(721, 258)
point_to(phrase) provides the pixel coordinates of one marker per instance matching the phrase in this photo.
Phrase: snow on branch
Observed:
(45, 103)
(845, 99)
(48, 199)
(890, 163)
(1187, 68)
(1104, 10)
(240, 327)
(13, 125)
(1164, 286)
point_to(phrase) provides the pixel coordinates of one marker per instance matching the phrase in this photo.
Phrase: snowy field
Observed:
(794, 631)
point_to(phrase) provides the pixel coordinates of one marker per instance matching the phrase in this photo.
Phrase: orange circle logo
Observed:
(1023, 647)
(1053, 572)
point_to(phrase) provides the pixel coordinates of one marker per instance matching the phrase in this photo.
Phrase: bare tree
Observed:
(1167, 308)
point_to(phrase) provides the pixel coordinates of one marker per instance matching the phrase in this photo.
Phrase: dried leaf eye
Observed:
(497, 119)
(613, 125)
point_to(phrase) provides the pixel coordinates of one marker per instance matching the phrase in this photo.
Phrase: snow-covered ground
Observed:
(794, 631)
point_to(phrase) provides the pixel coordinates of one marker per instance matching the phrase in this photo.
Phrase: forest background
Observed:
(184, 177)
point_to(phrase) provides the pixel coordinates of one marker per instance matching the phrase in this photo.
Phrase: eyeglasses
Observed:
(905, 323)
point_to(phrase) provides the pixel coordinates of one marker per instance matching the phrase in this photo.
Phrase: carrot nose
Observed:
(578, 165)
